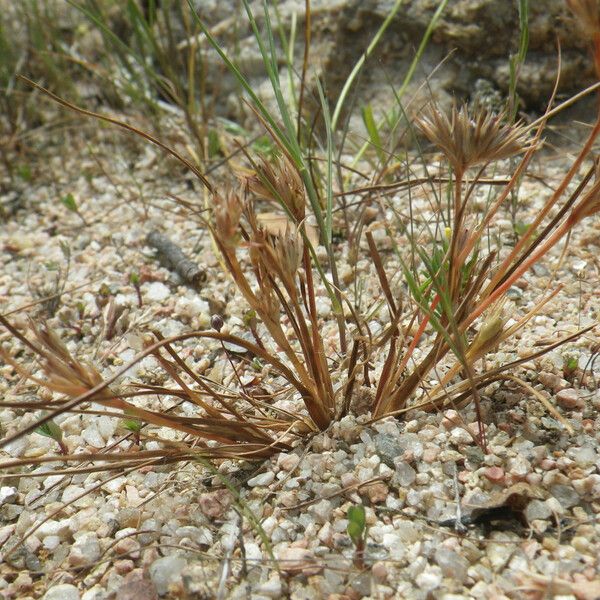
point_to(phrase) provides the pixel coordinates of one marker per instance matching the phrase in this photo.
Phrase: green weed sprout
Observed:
(133, 425)
(53, 431)
(69, 202)
(357, 531)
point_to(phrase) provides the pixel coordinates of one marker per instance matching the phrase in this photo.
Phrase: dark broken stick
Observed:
(172, 257)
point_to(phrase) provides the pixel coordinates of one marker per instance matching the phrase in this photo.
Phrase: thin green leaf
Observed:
(50, 429)
(372, 130)
(360, 63)
(69, 202)
(357, 523)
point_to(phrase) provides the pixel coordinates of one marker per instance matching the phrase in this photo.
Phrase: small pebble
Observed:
(166, 571)
(569, 399)
(64, 591)
(262, 479)
(299, 560)
(156, 291)
(494, 474)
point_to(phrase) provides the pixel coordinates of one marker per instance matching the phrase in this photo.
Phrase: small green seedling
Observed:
(521, 228)
(134, 279)
(570, 366)
(80, 308)
(70, 204)
(133, 425)
(357, 530)
(214, 143)
(52, 430)
(373, 131)
(24, 172)
(103, 296)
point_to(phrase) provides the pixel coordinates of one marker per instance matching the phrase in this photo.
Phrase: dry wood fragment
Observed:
(172, 257)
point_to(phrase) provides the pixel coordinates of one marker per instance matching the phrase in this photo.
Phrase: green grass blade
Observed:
(360, 63)
(411, 70)
(329, 176)
(421, 49)
(373, 131)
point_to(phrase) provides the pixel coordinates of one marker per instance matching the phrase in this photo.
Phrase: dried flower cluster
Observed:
(469, 139)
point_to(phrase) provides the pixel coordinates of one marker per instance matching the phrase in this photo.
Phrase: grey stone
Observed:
(390, 447)
(584, 456)
(430, 578)
(322, 510)
(405, 475)
(85, 550)
(96, 593)
(197, 581)
(408, 532)
(451, 563)
(59, 528)
(64, 591)
(202, 537)
(7, 494)
(387, 448)
(500, 550)
(262, 480)
(565, 494)
(165, 571)
(537, 509)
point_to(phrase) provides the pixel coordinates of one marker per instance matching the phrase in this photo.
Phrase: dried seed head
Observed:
(470, 139)
(227, 213)
(281, 182)
(277, 254)
(587, 13)
(268, 303)
(65, 374)
(216, 322)
(288, 248)
(488, 334)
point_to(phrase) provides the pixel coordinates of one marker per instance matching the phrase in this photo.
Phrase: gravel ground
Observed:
(444, 520)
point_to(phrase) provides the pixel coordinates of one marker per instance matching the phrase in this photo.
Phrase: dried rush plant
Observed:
(455, 314)
(277, 280)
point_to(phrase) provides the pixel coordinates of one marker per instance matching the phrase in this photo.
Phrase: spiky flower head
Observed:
(278, 253)
(469, 138)
(280, 181)
(487, 336)
(227, 212)
(587, 13)
(288, 248)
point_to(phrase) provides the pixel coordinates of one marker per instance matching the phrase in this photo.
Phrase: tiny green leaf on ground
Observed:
(50, 429)
(357, 523)
(69, 202)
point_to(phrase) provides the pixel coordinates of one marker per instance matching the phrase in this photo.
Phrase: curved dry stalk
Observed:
(585, 209)
(461, 393)
(542, 399)
(123, 125)
(237, 433)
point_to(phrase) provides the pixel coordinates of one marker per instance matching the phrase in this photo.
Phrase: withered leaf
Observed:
(507, 505)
